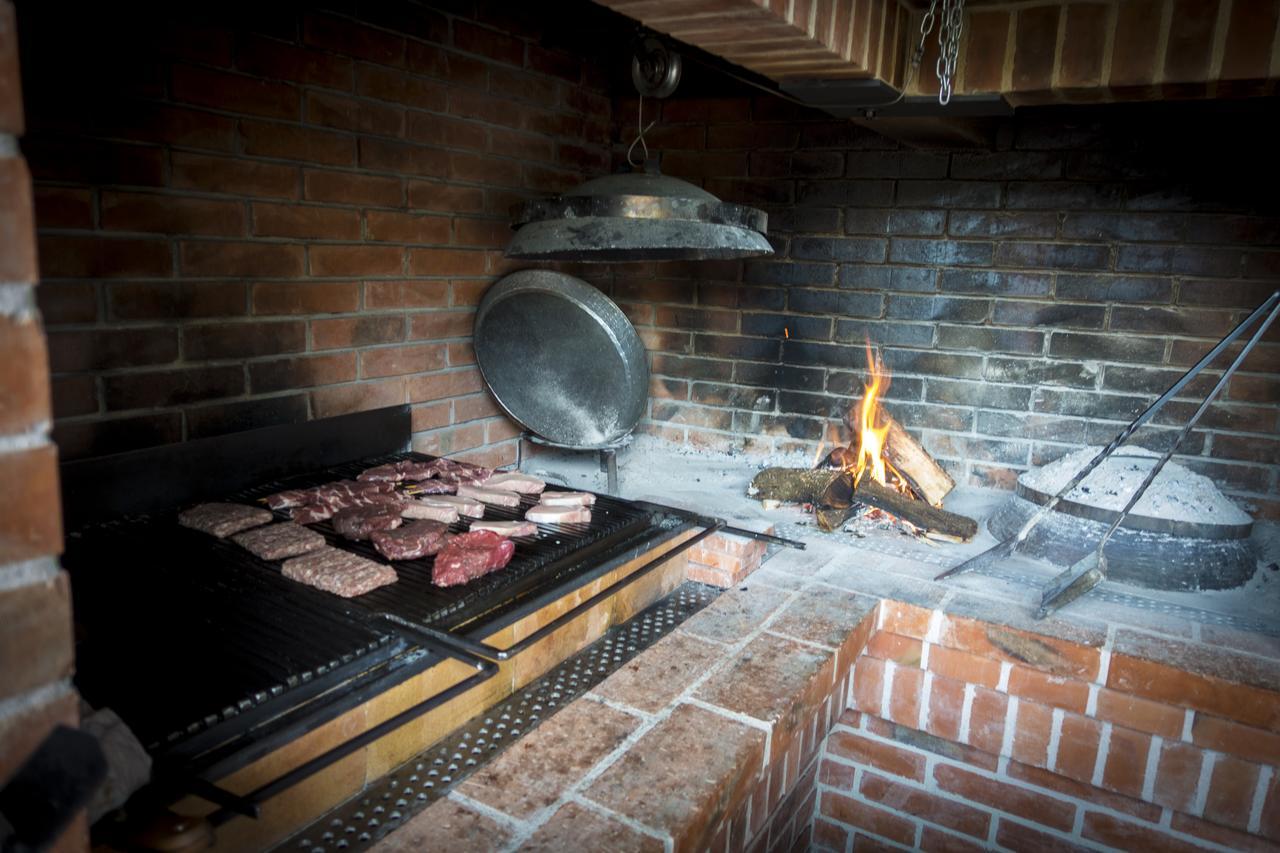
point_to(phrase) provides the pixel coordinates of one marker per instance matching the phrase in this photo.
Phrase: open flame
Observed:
(871, 435)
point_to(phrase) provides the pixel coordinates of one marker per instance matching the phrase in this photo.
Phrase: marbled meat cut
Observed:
(339, 572)
(416, 539)
(498, 497)
(326, 494)
(549, 514)
(464, 506)
(394, 472)
(223, 519)
(568, 498)
(312, 513)
(467, 556)
(433, 487)
(277, 541)
(506, 528)
(515, 482)
(359, 522)
(435, 512)
(450, 471)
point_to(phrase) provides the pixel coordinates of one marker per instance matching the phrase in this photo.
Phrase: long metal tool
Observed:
(1009, 546)
(1090, 569)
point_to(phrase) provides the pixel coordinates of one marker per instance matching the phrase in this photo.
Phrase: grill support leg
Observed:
(609, 465)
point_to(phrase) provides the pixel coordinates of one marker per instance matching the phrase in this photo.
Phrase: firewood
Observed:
(791, 485)
(840, 500)
(925, 476)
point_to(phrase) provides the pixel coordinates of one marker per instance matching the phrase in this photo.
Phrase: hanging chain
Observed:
(950, 23)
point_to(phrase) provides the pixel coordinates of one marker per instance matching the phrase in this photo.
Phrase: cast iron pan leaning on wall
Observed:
(561, 359)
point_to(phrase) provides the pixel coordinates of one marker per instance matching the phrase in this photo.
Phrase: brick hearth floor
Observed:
(838, 697)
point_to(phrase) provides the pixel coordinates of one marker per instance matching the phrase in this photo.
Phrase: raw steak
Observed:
(435, 512)
(390, 473)
(311, 513)
(335, 501)
(469, 555)
(339, 572)
(506, 528)
(327, 494)
(221, 520)
(458, 472)
(548, 514)
(464, 506)
(433, 487)
(416, 539)
(277, 541)
(358, 522)
(568, 498)
(515, 482)
(490, 496)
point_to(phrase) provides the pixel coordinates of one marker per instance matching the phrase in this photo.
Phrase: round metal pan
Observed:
(561, 359)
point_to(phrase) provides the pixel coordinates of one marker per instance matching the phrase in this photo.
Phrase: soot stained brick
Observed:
(1124, 227)
(984, 394)
(794, 426)
(1059, 315)
(891, 334)
(1074, 374)
(778, 376)
(1032, 427)
(1186, 321)
(920, 223)
(821, 405)
(866, 277)
(937, 308)
(847, 193)
(821, 355)
(838, 249)
(933, 416)
(1064, 195)
(979, 223)
(1115, 288)
(785, 273)
(1087, 404)
(1053, 256)
(949, 194)
(990, 340)
(943, 252)
(788, 326)
(732, 396)
(1106, 347)
(730, 346)
(690, 368)
(839, 303)
(850, 384)
(996, 283)
(926, 363)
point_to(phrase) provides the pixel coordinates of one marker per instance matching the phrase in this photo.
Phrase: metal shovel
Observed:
(1091, 569)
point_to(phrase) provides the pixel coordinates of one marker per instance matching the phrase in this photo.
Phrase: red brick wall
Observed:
(262, 216)
(962, 735)
(1031, 298)
(35, 606)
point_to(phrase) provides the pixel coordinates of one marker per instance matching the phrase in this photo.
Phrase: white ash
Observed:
(1177, 493)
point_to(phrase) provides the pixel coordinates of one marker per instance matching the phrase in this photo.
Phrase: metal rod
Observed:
(1011, 544)
(486, 671)
(764, 537)
(1072, 582)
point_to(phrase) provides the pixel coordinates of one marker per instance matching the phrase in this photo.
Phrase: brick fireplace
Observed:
(253, 219)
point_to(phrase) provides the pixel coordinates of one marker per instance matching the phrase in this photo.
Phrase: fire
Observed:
(871, 437)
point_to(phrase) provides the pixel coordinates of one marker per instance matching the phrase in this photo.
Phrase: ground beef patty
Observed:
(277, 541)
(339, 572)
(416, 539)
(222, 519)
(470, 555)
(358, 522)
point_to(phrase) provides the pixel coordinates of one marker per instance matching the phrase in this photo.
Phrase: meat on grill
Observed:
(311, 513)
(359, 522)
(327, 493)
(433, 487)
(223, 519)
(506, 528)
(545, 513)
(467, 556)
(449, 471)
(464, 506)
(323, 501)
(568, 498)
(277, 541)
(339, 572)
(515, 482)
(435, 512)
(416, 539)
(498, 497)
(394, 472)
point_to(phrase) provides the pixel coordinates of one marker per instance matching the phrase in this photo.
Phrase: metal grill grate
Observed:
(425, 778)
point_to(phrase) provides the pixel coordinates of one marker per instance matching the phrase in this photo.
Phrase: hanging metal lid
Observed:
(638, 216)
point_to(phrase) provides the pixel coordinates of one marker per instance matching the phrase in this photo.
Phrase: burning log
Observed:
(792, 485)
(925, 476)
(840, 500)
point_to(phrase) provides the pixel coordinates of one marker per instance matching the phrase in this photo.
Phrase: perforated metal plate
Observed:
(425, 778)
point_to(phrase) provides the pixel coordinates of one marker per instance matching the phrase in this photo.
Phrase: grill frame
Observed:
(231, 737)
